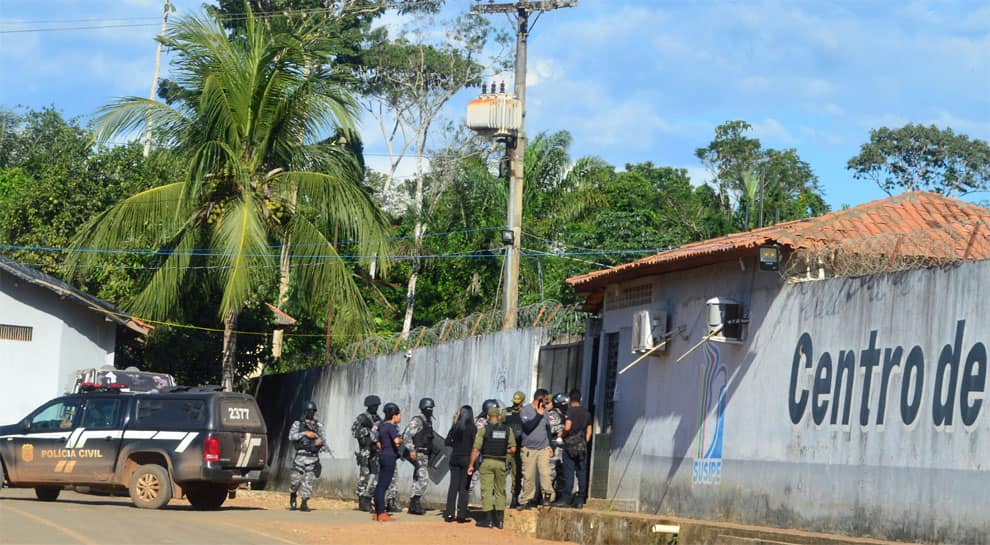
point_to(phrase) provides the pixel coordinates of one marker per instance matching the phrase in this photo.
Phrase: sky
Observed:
(632, 80)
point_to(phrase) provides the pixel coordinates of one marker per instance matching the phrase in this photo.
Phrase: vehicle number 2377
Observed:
(238, 413)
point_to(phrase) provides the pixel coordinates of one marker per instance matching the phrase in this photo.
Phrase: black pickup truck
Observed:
(197, 443)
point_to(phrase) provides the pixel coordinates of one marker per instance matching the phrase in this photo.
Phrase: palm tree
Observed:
(248, 107)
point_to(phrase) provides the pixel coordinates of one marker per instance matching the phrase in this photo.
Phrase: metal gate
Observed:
(559, 367)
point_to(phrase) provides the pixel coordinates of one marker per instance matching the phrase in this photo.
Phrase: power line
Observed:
(228, 18)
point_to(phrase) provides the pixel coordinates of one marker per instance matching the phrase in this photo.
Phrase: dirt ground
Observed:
(359, 528)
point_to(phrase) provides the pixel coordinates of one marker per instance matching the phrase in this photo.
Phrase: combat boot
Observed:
(484, 519)
(305, 506)
(292, 501)
(392, 506)
(364, 503)
(415, 507)
(515, 501)
(499, 519)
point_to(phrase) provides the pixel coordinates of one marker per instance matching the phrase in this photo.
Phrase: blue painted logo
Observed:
(711, 419)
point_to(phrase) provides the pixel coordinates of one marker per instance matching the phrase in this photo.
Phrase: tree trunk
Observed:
(154, 80)
(283, 280)
(229, 350)
(418, 242)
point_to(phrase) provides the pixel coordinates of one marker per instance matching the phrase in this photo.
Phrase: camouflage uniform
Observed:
(555, 421)
(367, 454)
(418, 437)
(306, 462)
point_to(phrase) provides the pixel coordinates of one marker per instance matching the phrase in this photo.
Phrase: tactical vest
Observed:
(555, 419)
(514, 420)
(361, 429)
(423, 440)
(307, 444)
(496, 441)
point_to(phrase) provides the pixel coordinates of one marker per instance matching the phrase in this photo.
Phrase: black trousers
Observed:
(385, 474)
(457, 491)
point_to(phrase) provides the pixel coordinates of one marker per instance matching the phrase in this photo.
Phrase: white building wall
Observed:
(65, 337)
(921, 481)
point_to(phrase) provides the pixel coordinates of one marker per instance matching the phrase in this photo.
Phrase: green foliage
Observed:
(249, 105)
(758, 186)
(52, 181)
(919, 157)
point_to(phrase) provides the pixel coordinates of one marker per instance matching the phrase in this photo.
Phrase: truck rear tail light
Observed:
(211, 449)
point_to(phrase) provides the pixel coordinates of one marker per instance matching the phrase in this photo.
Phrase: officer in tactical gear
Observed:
(494, 444)
(307, 436)
(514, 421)
(417, 439)
(482, 420)
(367, 453)
(555, 421)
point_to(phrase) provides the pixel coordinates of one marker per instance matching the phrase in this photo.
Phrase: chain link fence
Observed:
(890, 252)
(560, 320)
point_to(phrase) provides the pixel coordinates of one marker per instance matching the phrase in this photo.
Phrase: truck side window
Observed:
(58, 416)
(101, 414)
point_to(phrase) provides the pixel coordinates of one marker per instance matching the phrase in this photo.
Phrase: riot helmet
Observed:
(489, 403)
(426, 406)
(372, 402)
(309, 410)
(560, 401)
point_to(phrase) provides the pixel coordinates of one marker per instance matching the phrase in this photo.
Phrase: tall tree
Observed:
(919, 157)
(246, 104)
(728, 157)
(409, 80)
(757, 185)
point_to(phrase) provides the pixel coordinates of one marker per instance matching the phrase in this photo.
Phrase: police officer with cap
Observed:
(307, 436)
(367, 453)
(514, 421)
(417, 439)
(494, 444)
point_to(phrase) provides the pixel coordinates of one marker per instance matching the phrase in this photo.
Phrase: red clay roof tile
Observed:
(916, 224)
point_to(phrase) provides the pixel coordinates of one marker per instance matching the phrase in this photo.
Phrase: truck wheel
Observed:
(206, 497)
(150, 486)
(47, 493)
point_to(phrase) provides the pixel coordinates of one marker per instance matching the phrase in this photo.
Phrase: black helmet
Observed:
(426, 405)
(372, 401)
(488, 404)
(390, 409)
(561, 400)
(309, 409)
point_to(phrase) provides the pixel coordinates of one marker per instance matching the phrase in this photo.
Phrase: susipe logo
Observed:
(823, 386)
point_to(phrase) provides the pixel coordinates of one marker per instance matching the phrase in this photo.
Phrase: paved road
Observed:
(80, 519)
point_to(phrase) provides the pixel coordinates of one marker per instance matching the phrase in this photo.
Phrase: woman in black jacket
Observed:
(461, 438)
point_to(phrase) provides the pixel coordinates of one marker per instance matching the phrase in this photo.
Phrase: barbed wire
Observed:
(558, 319)
(964, 240)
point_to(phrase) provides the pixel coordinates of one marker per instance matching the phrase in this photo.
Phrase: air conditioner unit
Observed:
(726, 322)
(648, 328)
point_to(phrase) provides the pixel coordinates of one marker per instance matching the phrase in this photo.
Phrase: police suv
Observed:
(194, 442)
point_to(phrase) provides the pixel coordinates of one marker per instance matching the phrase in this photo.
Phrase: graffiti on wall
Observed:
(711, 418)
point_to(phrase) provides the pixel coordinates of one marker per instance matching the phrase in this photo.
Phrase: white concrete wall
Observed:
(65, 337)
(461, 372)
(924, 480)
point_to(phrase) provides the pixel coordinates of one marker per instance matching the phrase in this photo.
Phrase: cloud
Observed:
(542, 70)
(772, 133)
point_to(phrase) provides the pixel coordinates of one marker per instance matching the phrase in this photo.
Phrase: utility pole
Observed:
(154, 80)
(516, 146)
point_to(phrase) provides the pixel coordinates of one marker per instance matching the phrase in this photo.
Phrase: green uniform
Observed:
(492, 472)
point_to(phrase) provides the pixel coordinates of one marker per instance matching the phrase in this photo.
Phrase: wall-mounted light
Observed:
(769, 258)
(508, 237)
